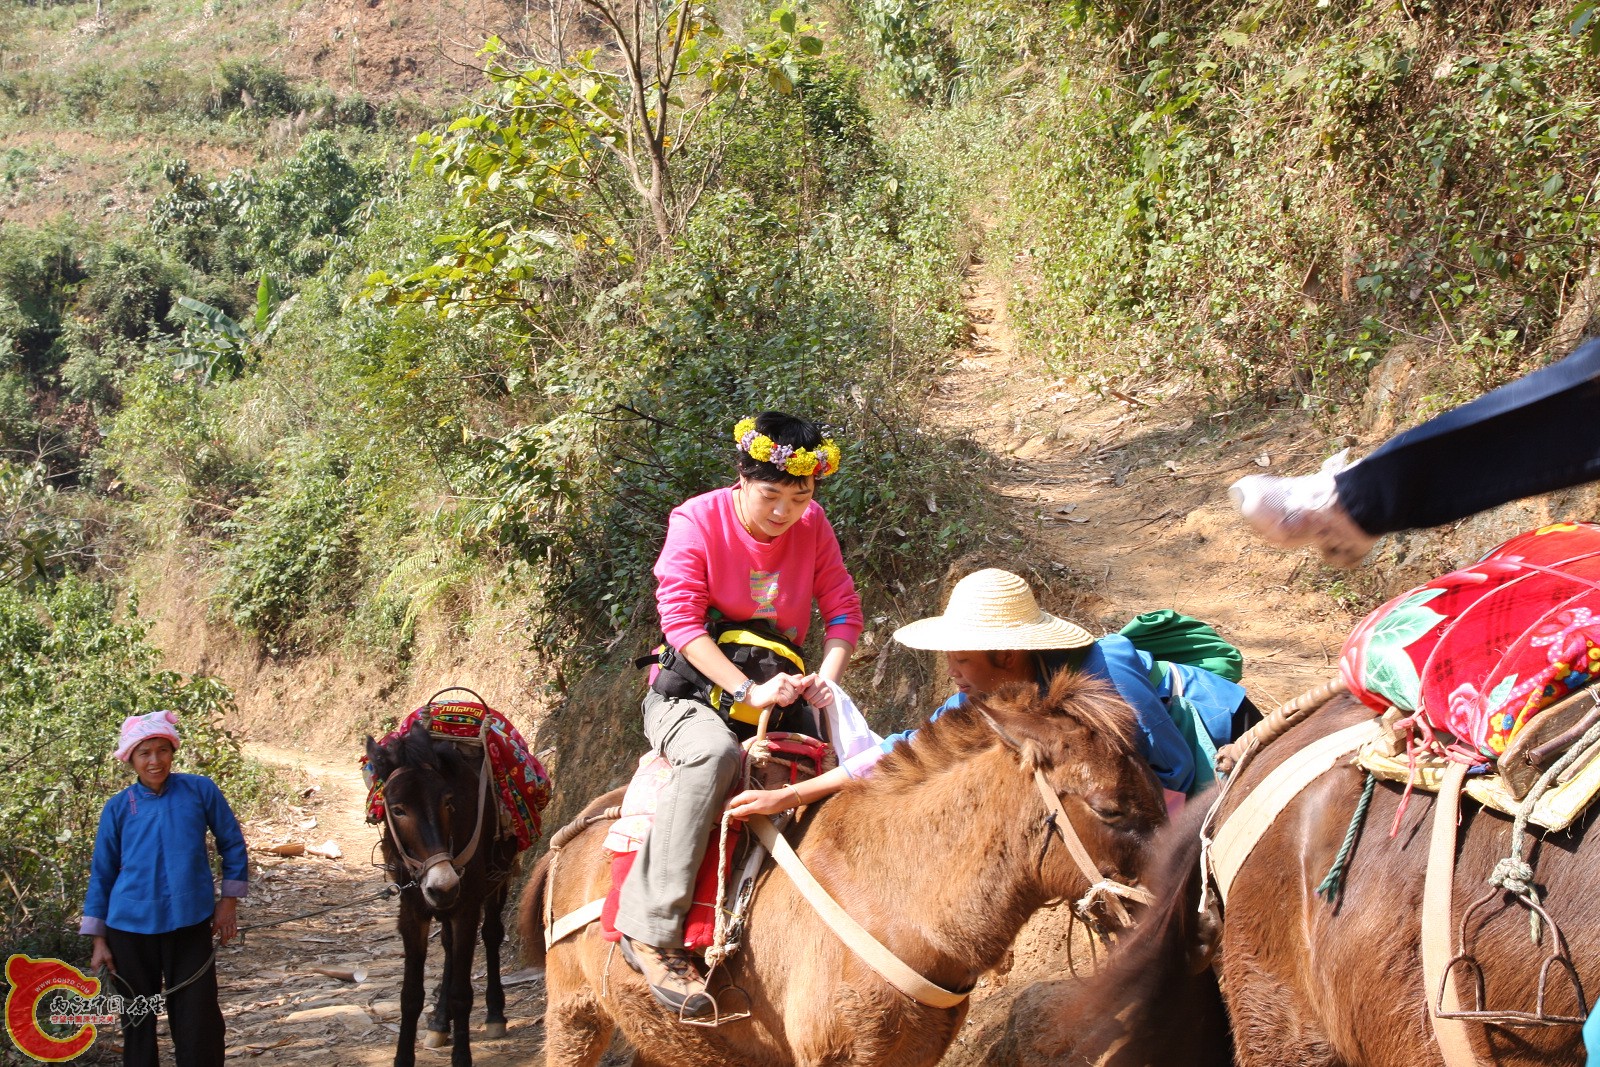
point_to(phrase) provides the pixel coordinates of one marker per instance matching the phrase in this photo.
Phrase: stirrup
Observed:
(1558, 958)
(717, 1016)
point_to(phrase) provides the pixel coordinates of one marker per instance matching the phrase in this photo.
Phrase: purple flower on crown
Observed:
(781, 454)
(747, 441)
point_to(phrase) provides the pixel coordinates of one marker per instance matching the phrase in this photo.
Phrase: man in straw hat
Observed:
(993, 632)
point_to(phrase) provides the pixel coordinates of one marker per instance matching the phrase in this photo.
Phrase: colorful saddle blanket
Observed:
(1480, 651)
(521, 782)
(800, 756)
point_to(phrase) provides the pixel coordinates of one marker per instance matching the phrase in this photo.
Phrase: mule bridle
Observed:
(419, 868)
(1110, 890)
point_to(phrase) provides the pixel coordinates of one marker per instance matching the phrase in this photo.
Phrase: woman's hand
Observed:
(762, 802)
(816, 691)
(225, 920)
(101, 957)
(777, 692)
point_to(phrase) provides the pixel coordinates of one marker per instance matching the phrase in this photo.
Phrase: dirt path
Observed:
(1124, 489)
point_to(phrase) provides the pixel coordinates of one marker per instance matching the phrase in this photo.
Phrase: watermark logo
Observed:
(30, 980)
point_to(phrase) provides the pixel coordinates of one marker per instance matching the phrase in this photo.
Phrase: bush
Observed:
(70, 671)
(294, 554)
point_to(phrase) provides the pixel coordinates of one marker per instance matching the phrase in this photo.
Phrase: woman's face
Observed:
(152, 760)
(770, 508)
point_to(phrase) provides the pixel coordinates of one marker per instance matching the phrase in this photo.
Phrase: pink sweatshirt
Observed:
(711, 561)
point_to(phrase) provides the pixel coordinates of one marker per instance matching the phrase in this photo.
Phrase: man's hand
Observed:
(225, 920)
(101, 957)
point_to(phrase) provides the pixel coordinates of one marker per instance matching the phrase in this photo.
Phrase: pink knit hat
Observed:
(137, 728)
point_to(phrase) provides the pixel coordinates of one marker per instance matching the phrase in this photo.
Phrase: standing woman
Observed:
(760, 550)
(152, 907)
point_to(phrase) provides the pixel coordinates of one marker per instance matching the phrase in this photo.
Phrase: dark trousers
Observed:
(147, 964)
(1534, 435)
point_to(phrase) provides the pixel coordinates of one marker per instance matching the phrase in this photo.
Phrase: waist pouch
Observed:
(757, 649)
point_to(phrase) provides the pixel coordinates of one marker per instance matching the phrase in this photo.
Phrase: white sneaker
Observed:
(1291, 512)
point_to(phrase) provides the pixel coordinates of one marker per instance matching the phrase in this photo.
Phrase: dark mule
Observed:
(437, 806)
(1317, 985)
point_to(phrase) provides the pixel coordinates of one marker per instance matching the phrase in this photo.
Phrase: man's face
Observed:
(981, 673)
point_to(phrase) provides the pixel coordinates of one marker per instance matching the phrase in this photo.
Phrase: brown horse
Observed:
(1316, 984)
(942, 854)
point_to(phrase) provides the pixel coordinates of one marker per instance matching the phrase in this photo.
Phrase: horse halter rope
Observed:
(1056, 817)
(418, 868)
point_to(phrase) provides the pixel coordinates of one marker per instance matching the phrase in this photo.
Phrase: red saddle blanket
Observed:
(521, 782)
(628, 833)
(1480, 651)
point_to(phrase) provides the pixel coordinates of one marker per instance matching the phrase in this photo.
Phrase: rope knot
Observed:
(1514, 876)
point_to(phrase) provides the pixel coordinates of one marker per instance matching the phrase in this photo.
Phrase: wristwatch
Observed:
(742, 691)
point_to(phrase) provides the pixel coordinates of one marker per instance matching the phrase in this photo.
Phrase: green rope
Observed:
(1333, 885)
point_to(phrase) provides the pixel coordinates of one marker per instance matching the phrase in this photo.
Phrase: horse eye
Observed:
(397, 811)
(1108, 811)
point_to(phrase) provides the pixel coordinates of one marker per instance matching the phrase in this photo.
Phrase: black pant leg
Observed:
(1535, 435)
(193, 1014)
(137, 958)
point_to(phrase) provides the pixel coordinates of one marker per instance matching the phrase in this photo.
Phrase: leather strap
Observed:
(1437, 908)
(1238, 836)
(573, 921)
(1098, 883)
(889, 966)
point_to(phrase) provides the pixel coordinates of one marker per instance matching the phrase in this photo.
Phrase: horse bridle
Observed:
(1056, 818)
(419, 868)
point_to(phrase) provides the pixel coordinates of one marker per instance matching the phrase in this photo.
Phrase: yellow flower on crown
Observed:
(800, 462)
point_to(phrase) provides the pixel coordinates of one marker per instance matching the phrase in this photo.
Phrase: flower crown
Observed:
(800, 462)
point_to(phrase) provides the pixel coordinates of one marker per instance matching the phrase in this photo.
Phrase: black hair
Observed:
(784, 429)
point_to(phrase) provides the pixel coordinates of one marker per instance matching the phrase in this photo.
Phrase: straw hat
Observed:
(989, 611)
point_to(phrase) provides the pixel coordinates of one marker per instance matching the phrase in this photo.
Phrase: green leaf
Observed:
(786, 21)
(811, 46)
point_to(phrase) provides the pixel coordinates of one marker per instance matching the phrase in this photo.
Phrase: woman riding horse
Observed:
(758, 552)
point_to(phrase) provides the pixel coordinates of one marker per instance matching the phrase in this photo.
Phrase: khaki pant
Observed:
(705, 758)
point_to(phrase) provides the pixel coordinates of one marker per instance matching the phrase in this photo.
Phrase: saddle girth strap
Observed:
(1438, 895)
(872, 951)
(1233, 842)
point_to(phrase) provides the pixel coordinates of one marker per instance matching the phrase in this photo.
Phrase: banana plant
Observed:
(214, 344)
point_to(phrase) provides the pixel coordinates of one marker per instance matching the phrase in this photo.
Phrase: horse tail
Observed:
(530, 913)
(1157, 1001)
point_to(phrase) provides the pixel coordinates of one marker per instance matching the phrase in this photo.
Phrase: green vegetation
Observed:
(1273, 197)
(70, 671)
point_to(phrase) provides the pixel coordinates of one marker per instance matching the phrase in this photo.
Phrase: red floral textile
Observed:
(1481, 650)
(521, 782)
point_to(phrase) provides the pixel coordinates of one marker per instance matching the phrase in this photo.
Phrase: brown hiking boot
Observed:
(677, 978)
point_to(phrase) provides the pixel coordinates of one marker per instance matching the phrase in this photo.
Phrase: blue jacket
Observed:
(1177, 736)
(151, 873)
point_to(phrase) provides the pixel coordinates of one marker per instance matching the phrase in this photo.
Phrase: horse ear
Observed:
(377, 758)
(1033, 756)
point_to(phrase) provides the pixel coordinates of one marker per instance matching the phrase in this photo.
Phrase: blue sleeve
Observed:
(905, 736)
(1116, 660)
(103, 868)
(230, 841)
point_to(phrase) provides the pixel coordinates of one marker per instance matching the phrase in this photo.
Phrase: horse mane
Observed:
(962, 732)
(421, 750)
(1150, 971)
